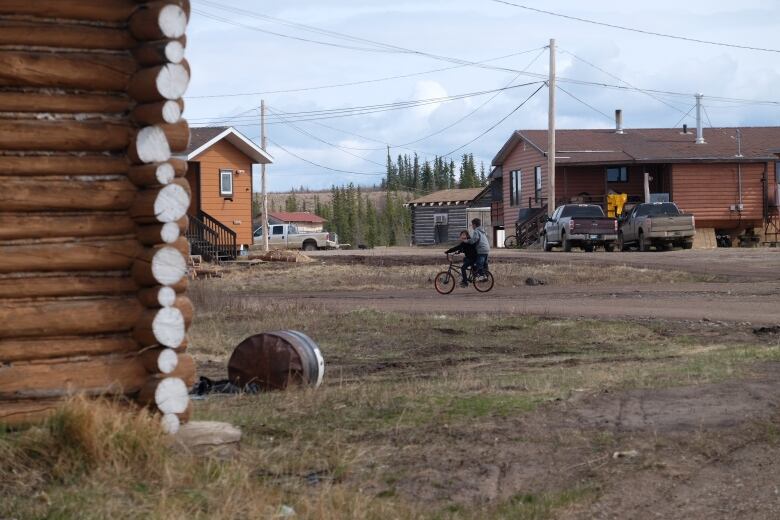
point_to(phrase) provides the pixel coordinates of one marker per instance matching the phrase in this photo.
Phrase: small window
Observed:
(618, 174)
(226, 183)
(515, 187)
(278, 230)
(538, 183)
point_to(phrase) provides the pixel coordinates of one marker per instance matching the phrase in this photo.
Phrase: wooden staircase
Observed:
(529, 230)
(211, 239)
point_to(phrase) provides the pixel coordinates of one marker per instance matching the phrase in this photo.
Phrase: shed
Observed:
(303, 220)
(439, 217)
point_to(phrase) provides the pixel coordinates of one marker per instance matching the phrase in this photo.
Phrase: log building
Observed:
(93, 211)
(439, 217)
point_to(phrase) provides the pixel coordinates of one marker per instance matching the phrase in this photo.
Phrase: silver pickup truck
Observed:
(656, 224)
(287, 236)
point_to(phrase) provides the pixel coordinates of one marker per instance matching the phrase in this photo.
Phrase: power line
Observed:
(633, 29)
(583, 102)
(495, 125)
(320, 165)
(683, 117)
(362, 82)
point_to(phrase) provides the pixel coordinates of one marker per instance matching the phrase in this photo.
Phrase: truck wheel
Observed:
(566, 243)
(644, 245)
(309, 246)
(688, 244)
(588, 248)
(609, 247)
(621, 242)
(546, 245)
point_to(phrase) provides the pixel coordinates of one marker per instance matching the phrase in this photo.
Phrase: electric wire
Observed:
(323, 166)
(583, 102)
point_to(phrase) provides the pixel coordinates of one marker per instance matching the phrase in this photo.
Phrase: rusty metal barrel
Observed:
(274, 360)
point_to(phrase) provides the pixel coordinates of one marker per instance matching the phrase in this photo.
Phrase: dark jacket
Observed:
(469, 250)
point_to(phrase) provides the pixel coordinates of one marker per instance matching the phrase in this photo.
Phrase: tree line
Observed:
(359, 221)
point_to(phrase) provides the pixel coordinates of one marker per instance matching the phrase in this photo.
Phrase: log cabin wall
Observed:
(92, 211)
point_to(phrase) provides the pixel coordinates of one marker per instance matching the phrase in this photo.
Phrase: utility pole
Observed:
(263, 145)
(551, 133)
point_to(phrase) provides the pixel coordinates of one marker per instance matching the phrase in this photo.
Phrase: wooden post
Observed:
(551, 133)
(263, 178)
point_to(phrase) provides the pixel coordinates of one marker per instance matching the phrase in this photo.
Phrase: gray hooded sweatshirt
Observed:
(480, 240)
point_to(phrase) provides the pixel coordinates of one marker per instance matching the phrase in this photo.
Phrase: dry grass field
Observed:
(444, 415)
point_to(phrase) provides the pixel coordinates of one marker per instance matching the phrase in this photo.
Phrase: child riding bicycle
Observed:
(480, 240)
(469, 256)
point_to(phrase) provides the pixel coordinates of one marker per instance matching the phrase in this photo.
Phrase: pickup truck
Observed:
(579, 225)
(656, 224)
(287, 236)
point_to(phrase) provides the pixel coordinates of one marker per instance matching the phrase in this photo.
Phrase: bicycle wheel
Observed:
(485, 284)
(444, 282)
(510, 242)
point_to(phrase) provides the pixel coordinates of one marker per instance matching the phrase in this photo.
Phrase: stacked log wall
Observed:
(93, 210)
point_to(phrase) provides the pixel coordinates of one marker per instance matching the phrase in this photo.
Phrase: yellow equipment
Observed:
(615, 203)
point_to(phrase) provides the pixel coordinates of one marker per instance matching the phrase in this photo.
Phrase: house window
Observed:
(538, 183)
(226, 183)
(515, 187)
(617, 174)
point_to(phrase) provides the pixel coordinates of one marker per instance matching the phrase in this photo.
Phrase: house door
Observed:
(193, 177)
(441, 233)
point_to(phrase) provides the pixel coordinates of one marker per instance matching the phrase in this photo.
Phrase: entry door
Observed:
(193, 177)
(442, 233)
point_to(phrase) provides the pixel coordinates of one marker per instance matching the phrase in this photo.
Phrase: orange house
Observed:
(219, 170)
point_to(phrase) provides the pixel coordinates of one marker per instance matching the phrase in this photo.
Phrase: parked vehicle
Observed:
(658, 224)
(579, 225)
(287, 236)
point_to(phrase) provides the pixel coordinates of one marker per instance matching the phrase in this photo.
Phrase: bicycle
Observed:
(444, 283)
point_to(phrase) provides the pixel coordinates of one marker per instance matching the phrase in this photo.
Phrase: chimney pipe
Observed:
(699, 130)
(618, 121)
(685, 129)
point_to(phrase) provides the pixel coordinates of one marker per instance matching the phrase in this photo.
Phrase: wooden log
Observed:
(159, 360)
(48, 34)
(64, 135)
(27, 411)
(150, 145)
(103, 11)
(19, 226)
(50, 165)
(161, 205)
(169, 395)
(185, 370)
(32, 194)
(158, 20)
(159, 266)
(157, 234)
(84, 255)
(178, 135)
(151, 54)
(162, 112)
(69, 103)
(186, 308)
(154, 84)
(153, 174)
(68, 317)
(65, 285)
(91, 72)
(29, 349)
(164, 326)
(160, 296)
(103, 375)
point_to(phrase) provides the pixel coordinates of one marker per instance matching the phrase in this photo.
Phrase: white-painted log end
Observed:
(168, 266)
(174, 51)
(165, 172)
(169, 328)
(171, 204)
(171, 396)
(171, 112)
(151, 145)
(173, 21)
(170, 423)
(170, 232)
(172, 81)
(167, 361)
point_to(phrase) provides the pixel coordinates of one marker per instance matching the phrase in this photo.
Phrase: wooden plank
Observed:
(68, 317)
(70, 103)
(65, 135)
(89, 10)
(91, 72)
(18, 226)
(32, 194)
(62, 165)
(100, 375)
(47, 34)
(30, 349)
(86, 255)
(63, 286)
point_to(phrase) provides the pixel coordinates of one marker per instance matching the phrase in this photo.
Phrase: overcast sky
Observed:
(235, 59)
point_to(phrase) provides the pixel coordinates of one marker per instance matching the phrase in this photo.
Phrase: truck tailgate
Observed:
(593, 226)
(673, 223)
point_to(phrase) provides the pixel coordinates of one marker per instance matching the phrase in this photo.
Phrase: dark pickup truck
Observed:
(579, 225)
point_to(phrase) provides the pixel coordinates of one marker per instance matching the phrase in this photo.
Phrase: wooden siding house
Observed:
(726, 183)
(438, 218)
(220, 161)
(305, 222)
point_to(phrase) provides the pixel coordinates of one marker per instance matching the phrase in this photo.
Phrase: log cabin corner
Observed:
(219, 169)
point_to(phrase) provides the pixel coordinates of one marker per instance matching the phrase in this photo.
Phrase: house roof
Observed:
(297, 216)
(203, 138)
(453, 196)
(649, 145)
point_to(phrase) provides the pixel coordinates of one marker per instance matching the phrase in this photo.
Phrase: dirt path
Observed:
(757, 303)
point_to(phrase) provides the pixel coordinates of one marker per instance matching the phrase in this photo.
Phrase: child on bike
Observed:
(479, 240)
(469, 256)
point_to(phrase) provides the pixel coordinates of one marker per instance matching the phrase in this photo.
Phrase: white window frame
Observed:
(515, 187)
(222, 174)
(441, 219)
(537, 183)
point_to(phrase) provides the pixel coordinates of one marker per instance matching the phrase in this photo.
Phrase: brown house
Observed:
(219, 171)
(729, 182)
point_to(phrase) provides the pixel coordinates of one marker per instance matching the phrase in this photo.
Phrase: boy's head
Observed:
(464, 235)
(476, 223)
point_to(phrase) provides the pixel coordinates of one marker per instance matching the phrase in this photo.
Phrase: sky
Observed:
(237, 54)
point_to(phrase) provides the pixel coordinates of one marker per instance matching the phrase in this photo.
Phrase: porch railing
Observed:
(211, 239)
